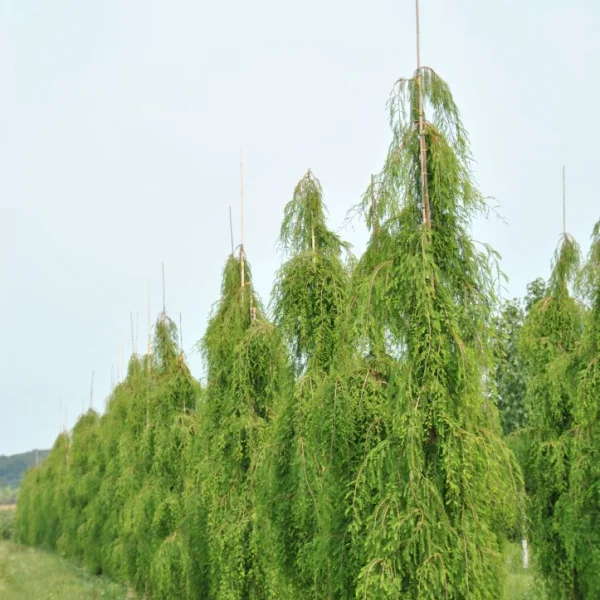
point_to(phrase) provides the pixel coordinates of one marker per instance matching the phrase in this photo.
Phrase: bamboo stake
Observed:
(92, 392)
(149, 331)
(67, 453)
(312, 228)
(242, 219)
(564, 182)
(132, 333)
(373, 206)
(424, 183)
(525, 553)
(163, 289)
(231, 230)
(180, 333)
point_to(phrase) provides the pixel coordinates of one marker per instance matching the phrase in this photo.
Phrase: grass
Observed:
(27, 574)
(520, 583)
(7, 520)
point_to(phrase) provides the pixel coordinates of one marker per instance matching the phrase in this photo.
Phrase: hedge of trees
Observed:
(347, 443)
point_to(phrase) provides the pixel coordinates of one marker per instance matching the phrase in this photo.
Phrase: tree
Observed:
(550, 336)
(309, 299)
(509, 369)
(582, 529)
(39, 512)
(431, 502)
(509, 374)
(245, 370)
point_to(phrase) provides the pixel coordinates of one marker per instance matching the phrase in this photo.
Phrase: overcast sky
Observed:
(120, 129)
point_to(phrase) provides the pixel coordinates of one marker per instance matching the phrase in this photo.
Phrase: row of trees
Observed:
(549, 391)
(351, 447)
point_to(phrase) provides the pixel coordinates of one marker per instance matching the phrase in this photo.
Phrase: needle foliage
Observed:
(309, 300)
(245, 369)
(548, 346)
(583, 530)
(431, 501)
(110, 494)
(351, 448)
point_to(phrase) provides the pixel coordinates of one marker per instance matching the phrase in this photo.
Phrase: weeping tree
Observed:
(151, 453)
(82, 480)
(509, 374)
(103, 515)
(245, 370)
(39, 511)
(170, 404)
(310, 287)
(308, 303)
(583, 527)
(549, 340)
(432, 498)
(127, 465)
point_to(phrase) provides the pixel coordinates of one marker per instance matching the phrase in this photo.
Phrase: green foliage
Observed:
(8, 495)
(7, 523)
(309, 302)
(109, 494)
(536, 290)
(245, 368)
(582, 529)
(549, 340)
(352, 448)
(510, 376)
(310, 288)
(431, 501)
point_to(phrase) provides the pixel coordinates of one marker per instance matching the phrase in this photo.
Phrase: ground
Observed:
(27, 574)
(520, 583)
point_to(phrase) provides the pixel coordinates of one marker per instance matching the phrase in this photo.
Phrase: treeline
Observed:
(548, 385)
(349, 445)
(14, 467)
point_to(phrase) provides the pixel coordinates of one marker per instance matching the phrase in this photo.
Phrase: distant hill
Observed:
(12, 468)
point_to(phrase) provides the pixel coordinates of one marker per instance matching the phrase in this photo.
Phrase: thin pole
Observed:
(92, 392)
(149, 329)
(423, 148)
(242, 219)
(231, 230)
(373, 205)
(180, 333)
(163, 288)
(132, 333)
(418, 36)
(564, 201)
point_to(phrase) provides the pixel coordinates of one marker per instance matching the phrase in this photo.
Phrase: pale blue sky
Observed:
(120, 128)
